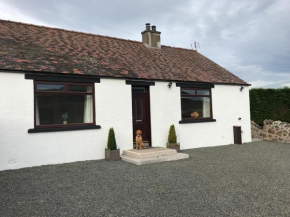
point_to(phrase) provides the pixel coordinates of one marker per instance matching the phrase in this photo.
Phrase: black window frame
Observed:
(199, 119)
(64, 92)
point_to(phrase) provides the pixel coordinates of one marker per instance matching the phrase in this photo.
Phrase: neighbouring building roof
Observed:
(28, 47)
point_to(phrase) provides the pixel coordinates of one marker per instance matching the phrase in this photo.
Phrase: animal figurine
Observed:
(139, 142)
(194, 114)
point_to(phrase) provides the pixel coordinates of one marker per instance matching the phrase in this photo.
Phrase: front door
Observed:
(141, 113)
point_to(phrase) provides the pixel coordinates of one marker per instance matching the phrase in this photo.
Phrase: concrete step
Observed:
(150, 152)
(146, 144)
(156, 159)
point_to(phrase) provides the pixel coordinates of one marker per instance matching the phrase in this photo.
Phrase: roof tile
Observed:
(45, 49)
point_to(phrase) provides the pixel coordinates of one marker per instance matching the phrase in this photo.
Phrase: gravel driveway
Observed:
(247, 180)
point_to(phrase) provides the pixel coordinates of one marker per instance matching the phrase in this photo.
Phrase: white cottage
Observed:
(62, 90)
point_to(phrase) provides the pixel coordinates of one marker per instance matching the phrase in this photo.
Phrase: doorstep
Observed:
(152, 155)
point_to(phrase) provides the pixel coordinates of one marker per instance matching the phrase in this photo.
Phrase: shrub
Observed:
(270, 104)
(172, 138)
(111, 145)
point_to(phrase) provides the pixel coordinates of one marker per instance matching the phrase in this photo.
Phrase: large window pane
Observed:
(64, 109)
(50, 87)
(79, 88)
(195, 107)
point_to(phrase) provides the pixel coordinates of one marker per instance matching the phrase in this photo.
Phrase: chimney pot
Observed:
(147, 26)
(154, 28)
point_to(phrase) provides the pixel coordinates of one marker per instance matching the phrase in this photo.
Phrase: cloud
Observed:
(249, 38)
(9, 12)
(260, 83)
(269, 84)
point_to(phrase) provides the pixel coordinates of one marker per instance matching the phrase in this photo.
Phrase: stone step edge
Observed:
(143, 161)
(150, 154)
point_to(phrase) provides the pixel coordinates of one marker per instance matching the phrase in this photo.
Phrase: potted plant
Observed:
(172, 139)
(111, 152)
(64, 117)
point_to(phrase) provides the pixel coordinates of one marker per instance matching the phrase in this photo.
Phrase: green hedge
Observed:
(270, 104)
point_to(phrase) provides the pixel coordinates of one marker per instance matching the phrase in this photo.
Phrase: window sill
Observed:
(196, 121)
(56, 129)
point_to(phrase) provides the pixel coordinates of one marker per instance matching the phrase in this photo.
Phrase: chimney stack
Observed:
(151, 37)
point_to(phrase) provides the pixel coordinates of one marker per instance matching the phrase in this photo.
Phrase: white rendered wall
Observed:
(113, 109)
(228, 102)
(20, 149)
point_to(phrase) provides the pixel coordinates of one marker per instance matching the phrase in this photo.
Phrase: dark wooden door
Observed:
(141, 113)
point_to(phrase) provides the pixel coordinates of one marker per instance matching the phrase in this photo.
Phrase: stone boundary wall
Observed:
(257, 131)
(276, 131)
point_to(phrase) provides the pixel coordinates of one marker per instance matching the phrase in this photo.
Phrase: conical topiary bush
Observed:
(111, 152)
(172, 138)
(111, 145)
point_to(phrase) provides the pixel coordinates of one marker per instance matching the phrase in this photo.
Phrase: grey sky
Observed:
(249, 38)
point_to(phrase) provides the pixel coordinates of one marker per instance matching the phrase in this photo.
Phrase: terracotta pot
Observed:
(176, 147)
(112, 155)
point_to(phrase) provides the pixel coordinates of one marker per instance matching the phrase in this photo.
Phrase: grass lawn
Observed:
(235, 180)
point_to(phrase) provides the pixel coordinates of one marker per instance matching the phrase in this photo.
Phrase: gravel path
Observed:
(248, 180)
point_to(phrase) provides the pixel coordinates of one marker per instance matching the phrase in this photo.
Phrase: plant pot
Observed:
(64, 122)
(176, 147)
(112, 155)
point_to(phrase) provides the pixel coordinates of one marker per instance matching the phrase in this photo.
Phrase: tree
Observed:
(111, 145)
(172, 138)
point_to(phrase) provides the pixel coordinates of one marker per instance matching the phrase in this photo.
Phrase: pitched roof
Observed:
(43, 49)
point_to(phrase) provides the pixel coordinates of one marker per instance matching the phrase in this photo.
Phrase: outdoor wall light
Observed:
(241, 89)
(170, 84)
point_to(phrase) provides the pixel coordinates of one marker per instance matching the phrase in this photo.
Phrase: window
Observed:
(138, 90)
(60, 104)
(196, 104)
